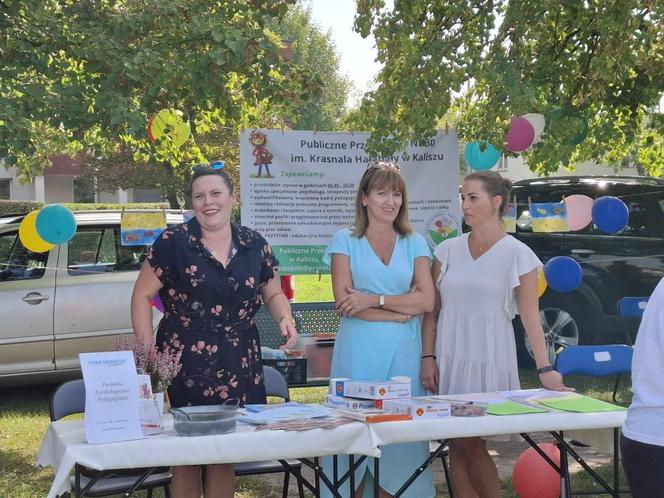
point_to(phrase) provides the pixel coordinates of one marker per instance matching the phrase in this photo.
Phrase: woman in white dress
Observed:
(483, 278)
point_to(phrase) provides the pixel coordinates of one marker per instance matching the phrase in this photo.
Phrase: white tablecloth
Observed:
(64, 445)
(488, 425)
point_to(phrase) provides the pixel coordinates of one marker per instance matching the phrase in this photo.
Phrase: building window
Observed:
(83, 190)
(5, 188)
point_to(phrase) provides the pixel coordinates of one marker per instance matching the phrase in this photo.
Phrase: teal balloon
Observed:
(55, 224)
(479, 159)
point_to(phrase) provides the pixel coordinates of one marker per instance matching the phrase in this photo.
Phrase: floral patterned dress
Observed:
(209, 314)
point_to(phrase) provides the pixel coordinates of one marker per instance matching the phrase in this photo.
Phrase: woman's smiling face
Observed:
(211, 201)
(383, 204)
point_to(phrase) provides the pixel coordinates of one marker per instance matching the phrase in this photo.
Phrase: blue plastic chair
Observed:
(69, 399)
(596, 361)
(631, 307)
(599, 361)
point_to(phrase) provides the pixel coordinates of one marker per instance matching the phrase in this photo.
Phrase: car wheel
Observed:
(560, 331)
(567, 320)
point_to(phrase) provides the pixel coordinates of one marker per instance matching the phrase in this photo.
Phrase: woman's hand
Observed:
(287, 327)
(355, 302)
(429, 374)
(554, 381)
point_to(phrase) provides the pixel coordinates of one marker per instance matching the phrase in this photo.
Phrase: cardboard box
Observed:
(372, 389)
(418, 408)
(373, 416)
(348, 403)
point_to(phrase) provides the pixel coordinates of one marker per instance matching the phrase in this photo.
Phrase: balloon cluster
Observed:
(171, 125)
(608, 213)
(565, 125)
(523, 133)
(41, 230)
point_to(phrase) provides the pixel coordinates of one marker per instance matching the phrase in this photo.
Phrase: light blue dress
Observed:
(379, 350)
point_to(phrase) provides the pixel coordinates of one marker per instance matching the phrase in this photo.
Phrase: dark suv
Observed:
(629, 263)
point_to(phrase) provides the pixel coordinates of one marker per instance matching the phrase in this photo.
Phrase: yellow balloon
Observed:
(541, 282)
(27, 233)
(170, 123)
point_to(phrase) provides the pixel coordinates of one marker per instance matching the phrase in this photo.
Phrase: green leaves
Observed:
(493, 60)
(72, 67)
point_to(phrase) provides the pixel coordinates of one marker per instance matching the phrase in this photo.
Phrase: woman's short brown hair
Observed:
(206, 170)
(381, 175)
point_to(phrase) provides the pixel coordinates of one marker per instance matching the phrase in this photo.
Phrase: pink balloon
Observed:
(579, 211)
(521, 135)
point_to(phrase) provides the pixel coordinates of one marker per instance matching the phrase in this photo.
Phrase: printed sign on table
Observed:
(111, 397)
(298, 188)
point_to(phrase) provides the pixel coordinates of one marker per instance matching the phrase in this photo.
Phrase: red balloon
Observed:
(533, 477)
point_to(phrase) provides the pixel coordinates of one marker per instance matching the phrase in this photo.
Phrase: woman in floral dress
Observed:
(212, 277)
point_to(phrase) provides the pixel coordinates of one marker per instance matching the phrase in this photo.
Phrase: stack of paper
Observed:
(286, 412)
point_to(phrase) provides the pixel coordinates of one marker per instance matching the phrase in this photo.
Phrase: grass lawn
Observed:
(24, 420)
(313, 288)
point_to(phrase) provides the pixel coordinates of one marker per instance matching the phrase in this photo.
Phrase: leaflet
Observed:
(285, 413)
(111, 397)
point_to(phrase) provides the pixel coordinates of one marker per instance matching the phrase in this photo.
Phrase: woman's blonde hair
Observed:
(381, 175)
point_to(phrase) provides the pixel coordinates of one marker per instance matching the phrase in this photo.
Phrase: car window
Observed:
(98, 250)
(637, 226)
(17, 262)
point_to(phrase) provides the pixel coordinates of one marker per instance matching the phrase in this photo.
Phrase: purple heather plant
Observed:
(161, 366)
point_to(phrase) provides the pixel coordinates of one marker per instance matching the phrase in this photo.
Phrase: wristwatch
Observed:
(381, 300)
(545, 369)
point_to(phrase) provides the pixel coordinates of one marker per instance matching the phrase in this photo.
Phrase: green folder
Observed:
(580, 404)
(512, 408)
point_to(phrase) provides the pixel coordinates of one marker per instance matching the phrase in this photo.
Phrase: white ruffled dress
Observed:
(475, 342)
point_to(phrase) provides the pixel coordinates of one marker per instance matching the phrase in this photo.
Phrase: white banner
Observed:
(298, 188)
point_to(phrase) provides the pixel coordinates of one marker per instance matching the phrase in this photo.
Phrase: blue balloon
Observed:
(481, 155)
(610, 214)
(563, 274)
(55, 224)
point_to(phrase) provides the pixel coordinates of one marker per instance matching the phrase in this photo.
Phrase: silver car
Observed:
(74, 298)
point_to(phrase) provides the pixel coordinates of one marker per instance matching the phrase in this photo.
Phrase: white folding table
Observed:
(64, 443)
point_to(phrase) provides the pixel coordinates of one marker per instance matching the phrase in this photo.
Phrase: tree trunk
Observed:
(173, 200)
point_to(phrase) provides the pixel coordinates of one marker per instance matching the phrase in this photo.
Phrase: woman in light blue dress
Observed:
(382, 284)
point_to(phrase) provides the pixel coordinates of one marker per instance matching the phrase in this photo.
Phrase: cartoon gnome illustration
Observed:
(261, 153)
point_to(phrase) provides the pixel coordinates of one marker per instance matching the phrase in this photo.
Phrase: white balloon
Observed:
(538, 122)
